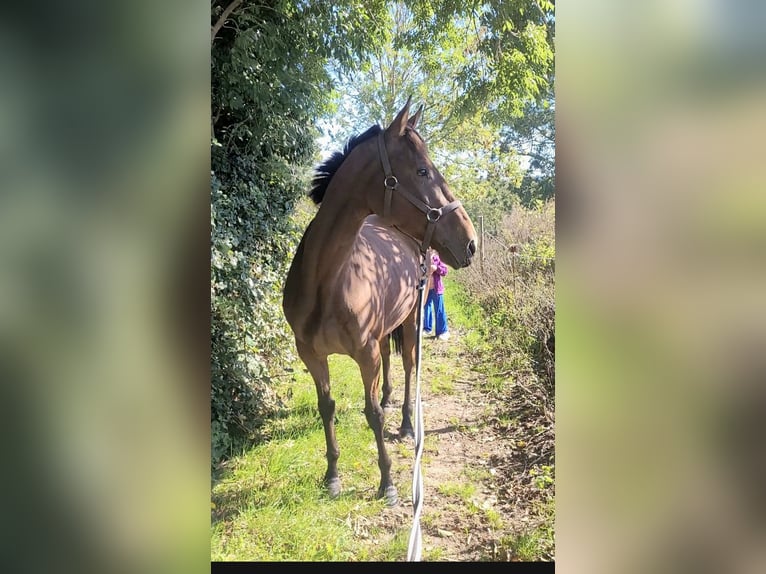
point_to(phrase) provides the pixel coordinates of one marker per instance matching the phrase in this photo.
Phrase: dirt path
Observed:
(474, 494)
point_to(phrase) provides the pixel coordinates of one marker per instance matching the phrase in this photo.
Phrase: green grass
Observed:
(534, 544)
(461, 490)
(437, 375)
(476, 474)
(530, 546)
(493, 518)
(441, 383)
(434, 555)
(460, 426)
(271, 505)
(494, 383)
(461, 311)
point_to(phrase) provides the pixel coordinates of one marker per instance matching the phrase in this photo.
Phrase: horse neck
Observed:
(330, 239)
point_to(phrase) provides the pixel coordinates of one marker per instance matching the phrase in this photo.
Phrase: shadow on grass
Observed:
(444, 430)
(228, 503)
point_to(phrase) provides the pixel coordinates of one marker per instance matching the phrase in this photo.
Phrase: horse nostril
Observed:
(471, 248)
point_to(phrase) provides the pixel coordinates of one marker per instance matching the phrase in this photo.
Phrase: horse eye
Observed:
(422, 171)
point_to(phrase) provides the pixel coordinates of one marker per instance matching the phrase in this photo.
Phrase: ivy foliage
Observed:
(269, 83)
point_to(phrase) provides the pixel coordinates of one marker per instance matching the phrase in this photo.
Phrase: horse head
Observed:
(416, 198)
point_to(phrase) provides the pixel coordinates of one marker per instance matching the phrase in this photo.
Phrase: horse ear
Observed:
(400, 121)
(413, 121)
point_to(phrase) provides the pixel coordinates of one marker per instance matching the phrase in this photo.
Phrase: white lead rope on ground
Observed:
(415, 547)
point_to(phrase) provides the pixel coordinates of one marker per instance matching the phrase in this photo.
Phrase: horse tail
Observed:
(397, 338)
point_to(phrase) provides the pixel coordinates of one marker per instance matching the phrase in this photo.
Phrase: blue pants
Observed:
(435, 305)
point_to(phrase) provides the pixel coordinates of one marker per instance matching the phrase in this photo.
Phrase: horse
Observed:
(354, 277)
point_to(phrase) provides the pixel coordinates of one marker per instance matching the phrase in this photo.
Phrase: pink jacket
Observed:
(441, 271)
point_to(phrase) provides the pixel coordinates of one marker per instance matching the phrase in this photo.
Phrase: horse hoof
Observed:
(406, 432)
(390, 495)
(333, 487)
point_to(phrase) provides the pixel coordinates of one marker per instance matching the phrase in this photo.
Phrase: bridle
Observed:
(391, 184)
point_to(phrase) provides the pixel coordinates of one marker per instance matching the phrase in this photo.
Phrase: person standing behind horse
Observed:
(435, 314)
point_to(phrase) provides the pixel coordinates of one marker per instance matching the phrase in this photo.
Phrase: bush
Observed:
(270, 82)
(514, 291)
(513, 284)
(252, 241)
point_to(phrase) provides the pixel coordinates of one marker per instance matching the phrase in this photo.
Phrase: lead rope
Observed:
(415, 547)
(433, 215)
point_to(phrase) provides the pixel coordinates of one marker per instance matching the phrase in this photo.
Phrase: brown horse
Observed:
(355, 274)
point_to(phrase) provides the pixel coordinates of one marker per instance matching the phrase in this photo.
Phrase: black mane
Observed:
(327, 169)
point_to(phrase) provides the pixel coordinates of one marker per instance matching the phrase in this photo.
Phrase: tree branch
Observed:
(226, 13)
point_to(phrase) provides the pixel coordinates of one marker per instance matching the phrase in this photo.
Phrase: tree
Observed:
(506, 80)
(534, 136)
(509, 47)
(482, 114)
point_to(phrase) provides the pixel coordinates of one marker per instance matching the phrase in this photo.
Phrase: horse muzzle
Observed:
(470, 251)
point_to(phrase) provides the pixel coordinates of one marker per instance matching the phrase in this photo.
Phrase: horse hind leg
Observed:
(385, 358)
(320, 372)
(395, 338)
(409, 343)
(369, 360)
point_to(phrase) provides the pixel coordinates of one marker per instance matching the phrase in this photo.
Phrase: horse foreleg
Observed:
(320, 372)
(409, 342)
(369, 360)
